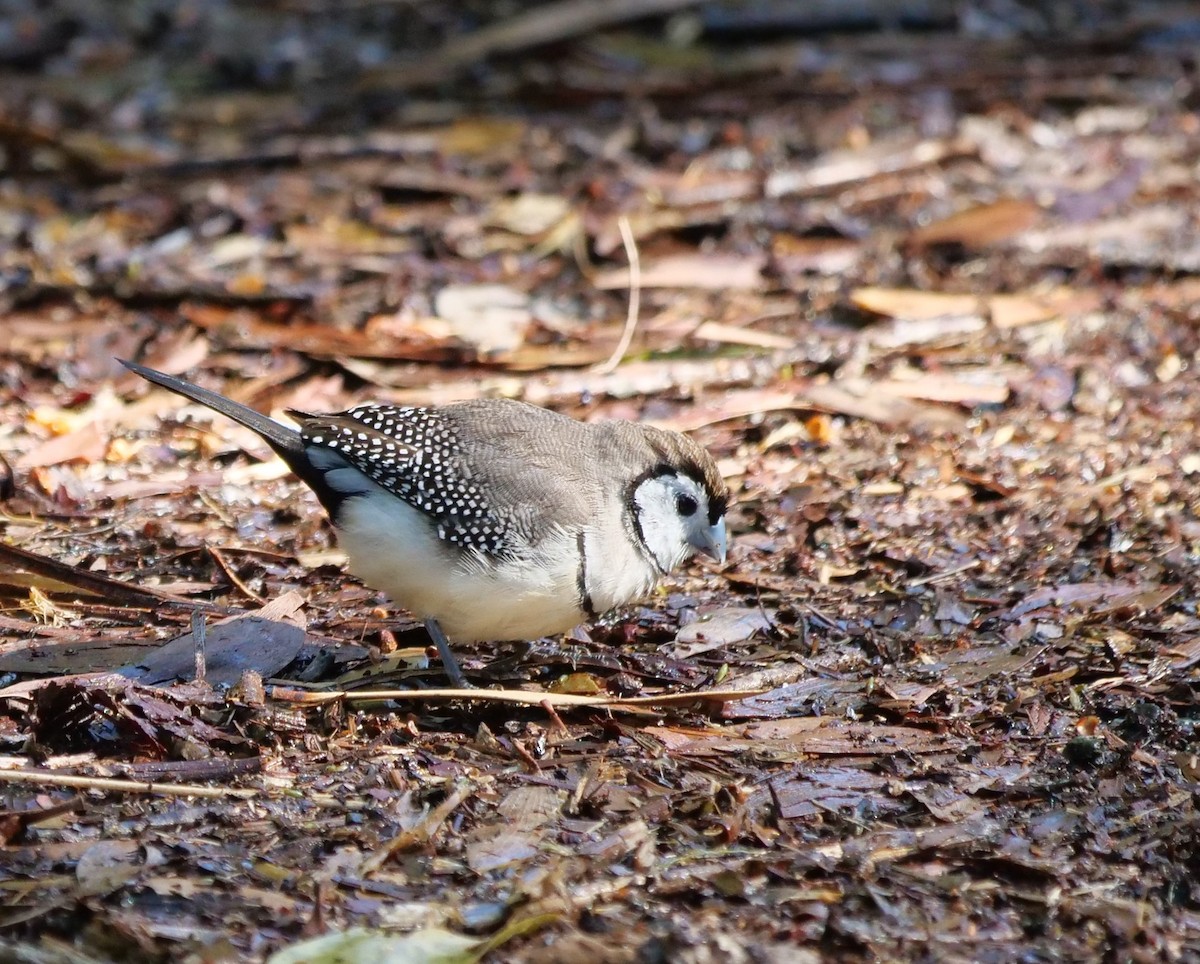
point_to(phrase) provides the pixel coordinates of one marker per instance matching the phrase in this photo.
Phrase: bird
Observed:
(493, 519)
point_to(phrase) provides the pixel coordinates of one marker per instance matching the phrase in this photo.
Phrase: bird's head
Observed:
(678, 507)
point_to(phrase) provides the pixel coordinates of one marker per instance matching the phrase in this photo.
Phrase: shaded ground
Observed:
(931, 300)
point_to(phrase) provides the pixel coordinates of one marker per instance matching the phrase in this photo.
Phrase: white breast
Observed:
(616, 572)
(391, 547)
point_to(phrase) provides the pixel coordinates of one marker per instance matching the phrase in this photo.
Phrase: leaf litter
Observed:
(925, 296)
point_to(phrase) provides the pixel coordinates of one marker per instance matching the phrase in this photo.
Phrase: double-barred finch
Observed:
(493, 519)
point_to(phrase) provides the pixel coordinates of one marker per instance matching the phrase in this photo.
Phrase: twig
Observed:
(635, 704)
(635, 297)
(31, 818)
(232, 576)
(50, 778)
(28, 138)
(199, 638)
(92, 582)
(820, 617)
(419, 835)
(548, 23)
(946, 574)
(214, 768)
(559, 725)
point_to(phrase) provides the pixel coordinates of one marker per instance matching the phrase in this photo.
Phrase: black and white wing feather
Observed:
(415, 454)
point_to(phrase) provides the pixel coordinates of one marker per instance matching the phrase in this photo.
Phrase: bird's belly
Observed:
(392, 548)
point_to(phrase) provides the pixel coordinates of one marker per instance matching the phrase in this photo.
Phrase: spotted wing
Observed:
(414, 454)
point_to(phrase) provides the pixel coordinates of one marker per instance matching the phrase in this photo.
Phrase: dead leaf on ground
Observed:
(717, 629)
(706, 271)
(980, 226)
(264, 641)
(108, 865)
(1004, 310)
(492, 318)
(840, 168)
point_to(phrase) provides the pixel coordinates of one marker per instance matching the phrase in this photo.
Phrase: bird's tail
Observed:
(285, 441)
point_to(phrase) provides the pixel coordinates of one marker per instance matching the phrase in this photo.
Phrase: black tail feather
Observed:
(285, 441)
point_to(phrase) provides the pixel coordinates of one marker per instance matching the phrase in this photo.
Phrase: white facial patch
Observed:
(671, 512)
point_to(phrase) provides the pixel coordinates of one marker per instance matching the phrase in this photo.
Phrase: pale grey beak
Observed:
(712, 541)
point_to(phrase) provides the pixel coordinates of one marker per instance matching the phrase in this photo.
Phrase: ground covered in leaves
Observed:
(930, 298)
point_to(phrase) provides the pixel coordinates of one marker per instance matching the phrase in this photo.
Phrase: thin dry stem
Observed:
(635, 297)
(50, 778)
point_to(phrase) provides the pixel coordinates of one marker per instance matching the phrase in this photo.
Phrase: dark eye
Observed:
(685, 505)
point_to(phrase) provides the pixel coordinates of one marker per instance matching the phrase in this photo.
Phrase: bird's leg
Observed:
(449, 664)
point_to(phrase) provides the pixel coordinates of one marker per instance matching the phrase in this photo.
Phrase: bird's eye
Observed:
(685, 505)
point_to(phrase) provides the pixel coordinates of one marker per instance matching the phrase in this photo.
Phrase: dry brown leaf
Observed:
(725, 627)
(108, 865)
(981, 226)
(86, 444)
(737, 335)
(857, 398)
(1012, 311)
(1181, 294)
(492, 318)
(247, 329)
(729, 405)
(1185, 654)
(481, 135)
(881, 489)
(698, 187)
(793, 255)
(954, 492)
(522, 821)
(705, 271)
(798, 736)
(1004, 310)
(839, 168)
(648, 222)
(528, 214)
(913, 304)
(942, 330)
(265, 641)
(344, 237)
(934, 387)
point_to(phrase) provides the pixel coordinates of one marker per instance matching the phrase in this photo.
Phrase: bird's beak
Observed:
(712, 541)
